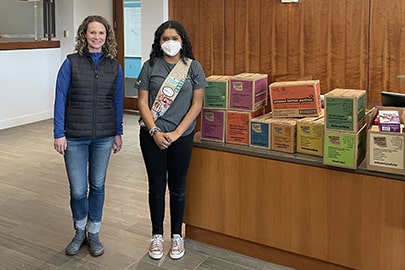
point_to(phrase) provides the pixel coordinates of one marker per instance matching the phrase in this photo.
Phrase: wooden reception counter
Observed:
(292, 210)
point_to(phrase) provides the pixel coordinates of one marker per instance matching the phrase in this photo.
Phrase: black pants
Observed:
(169, 167)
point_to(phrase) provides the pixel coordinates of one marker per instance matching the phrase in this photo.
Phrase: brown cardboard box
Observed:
(344, 149)
(295, 99)
(248, 92)
(385, 151)
(284, 134)
(237, 125)
(372, 113)
(260, 131)
(216, 93)
(293, 77)
(213, 125)
(310, 135)
(383, 148)
(345, 109)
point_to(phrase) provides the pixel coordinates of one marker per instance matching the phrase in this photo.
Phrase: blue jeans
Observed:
(86, 162)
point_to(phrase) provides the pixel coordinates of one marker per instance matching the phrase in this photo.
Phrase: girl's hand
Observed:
(162, 140)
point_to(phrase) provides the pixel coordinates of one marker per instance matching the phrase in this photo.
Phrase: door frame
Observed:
(130, 103)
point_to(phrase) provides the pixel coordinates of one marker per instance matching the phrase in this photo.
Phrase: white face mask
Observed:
(171, 47)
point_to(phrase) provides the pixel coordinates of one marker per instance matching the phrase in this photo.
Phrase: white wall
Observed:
(149, 23)
(27, 83)
(64, 21)
(27, 77)
(71, 13)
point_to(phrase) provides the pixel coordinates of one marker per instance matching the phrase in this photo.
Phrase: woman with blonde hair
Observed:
(88, 113)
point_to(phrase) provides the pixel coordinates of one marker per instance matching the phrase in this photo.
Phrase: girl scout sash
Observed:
(170, 88)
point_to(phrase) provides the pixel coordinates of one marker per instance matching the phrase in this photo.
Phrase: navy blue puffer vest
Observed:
(90, 106)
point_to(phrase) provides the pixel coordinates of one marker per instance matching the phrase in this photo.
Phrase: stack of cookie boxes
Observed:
(291, 102)
(214, 109)
(345, 128)
(386, 140)
(230, 103)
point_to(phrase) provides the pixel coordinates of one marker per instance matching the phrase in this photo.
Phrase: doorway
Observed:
(127, 19)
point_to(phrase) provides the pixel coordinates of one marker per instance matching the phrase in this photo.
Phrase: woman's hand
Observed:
(60, 145)
(117, 144)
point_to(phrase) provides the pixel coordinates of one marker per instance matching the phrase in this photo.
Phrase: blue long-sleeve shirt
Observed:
(62, 88)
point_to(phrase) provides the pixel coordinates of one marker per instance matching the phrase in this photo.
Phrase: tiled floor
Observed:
(35, 220)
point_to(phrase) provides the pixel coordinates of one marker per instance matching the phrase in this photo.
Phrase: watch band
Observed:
(153, 131)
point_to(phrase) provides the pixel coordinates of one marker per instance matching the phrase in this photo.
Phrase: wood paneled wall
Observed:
(387, 46)
(349, 43)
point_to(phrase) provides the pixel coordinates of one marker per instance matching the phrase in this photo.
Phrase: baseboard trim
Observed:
(25, 119)
(259, 251)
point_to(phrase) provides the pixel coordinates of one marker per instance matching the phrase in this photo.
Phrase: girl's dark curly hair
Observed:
(110, 45)
(186, 50)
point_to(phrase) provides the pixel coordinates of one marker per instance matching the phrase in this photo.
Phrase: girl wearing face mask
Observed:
(169, 104)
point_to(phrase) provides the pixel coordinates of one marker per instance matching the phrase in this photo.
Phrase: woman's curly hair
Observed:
(110, 45)
(186, 48)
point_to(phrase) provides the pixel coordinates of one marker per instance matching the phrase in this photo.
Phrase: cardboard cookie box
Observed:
(345, 109)
(295, 99)
(213, 125)
(216, 93)
(344, 149)
(284, 134)
(260, 131)
(385, 149)
(237, 126)
(388, 120)
(248, 92)
(310, 135)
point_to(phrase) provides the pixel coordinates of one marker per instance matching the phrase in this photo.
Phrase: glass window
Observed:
(27, 19)
(132, 44)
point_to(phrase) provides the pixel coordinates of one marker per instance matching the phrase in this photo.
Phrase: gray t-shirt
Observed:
(151, 78)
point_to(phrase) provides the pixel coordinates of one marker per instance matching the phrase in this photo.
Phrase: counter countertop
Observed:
(287, 157)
